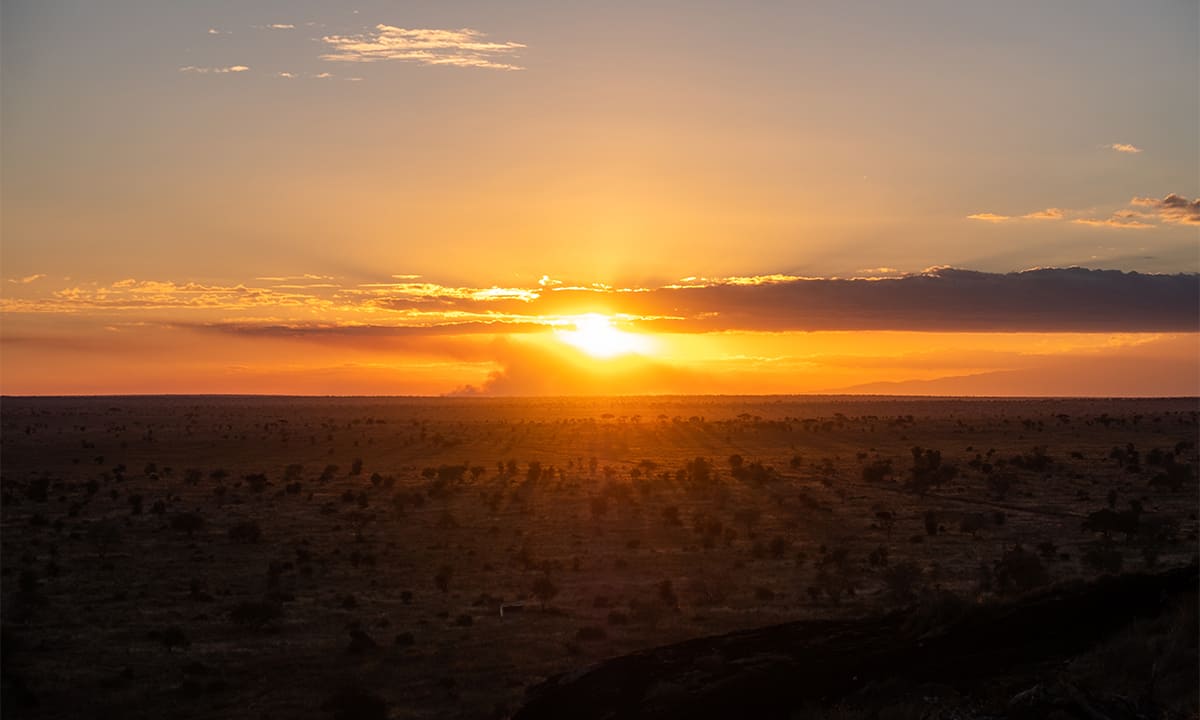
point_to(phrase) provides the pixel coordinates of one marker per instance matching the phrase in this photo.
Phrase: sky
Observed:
(527, 198)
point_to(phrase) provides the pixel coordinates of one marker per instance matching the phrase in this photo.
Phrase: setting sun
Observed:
(595, 335)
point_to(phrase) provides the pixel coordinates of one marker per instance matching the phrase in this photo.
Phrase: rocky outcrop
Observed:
(768, 672)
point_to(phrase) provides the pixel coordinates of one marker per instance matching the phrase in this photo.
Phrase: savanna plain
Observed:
(262, 557)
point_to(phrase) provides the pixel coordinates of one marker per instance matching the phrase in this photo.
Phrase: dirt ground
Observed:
(250, 557)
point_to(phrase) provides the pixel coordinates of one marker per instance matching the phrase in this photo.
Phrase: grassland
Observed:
(248, 557)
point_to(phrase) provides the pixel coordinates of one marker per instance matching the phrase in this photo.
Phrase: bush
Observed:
(1019, 570)
(1103, 557)
(931, 522)
(442, 578)
(245, 532)
(590, 633)
(544, 590)
(877, 472)
(187, 522)
(255, 613)
(903, 581)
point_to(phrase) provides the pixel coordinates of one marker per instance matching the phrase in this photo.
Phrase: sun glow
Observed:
(595, 335)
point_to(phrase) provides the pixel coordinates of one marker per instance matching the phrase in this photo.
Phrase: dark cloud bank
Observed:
(938, 300)
(950, 300)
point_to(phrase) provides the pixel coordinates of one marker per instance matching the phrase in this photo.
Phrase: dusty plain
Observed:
(250, 557)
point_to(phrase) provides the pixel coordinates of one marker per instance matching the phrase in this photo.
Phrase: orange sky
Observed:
(316, 335)
(623, 197)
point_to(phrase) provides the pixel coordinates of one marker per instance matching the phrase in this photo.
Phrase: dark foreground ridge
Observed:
(771, 671)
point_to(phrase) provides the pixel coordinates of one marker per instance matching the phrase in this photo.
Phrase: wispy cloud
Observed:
(27, 279)
(1124, 148)
(281, 26)
(290, 278)
(1117, 221)
(1142, 213)
(427, 46)
(989, 217)
(285, 75)
(214, 31)
(1172, 208)
(1047, 214)
(218, 70)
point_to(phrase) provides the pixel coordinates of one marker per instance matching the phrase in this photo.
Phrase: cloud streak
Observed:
(27, 279)
(216, 70)
(936, 300)
(1172, 209)
(425, 46)
(989, 217)
(1124, 148)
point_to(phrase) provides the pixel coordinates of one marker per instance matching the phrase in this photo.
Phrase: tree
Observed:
(748, 517)
(544, 590)
(442, 578)
(931, 523)
(187, 522)
(103, 536)
(1019, 570)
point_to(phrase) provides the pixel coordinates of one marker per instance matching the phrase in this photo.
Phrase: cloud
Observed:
(214, 31)
(291, 278)
(323, 75)
(458, 48)
(1124, 148)
(204, 70)
(1172, 208)
(27, 279)
(940, 299)
(1118, 221)
(281, 26)
(1047, 214)
(285, 75)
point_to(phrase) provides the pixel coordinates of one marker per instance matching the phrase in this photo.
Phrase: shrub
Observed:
(1103, 557)
(902, 580)
(245, 532)
(931, 522)
(1019, 570)
(590, 633)
(187, 522)
(544, 590)
(878, 471)
(174, 637)
(255, 613)
(442, 578)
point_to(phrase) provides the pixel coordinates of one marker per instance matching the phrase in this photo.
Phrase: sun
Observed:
(595, 335)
